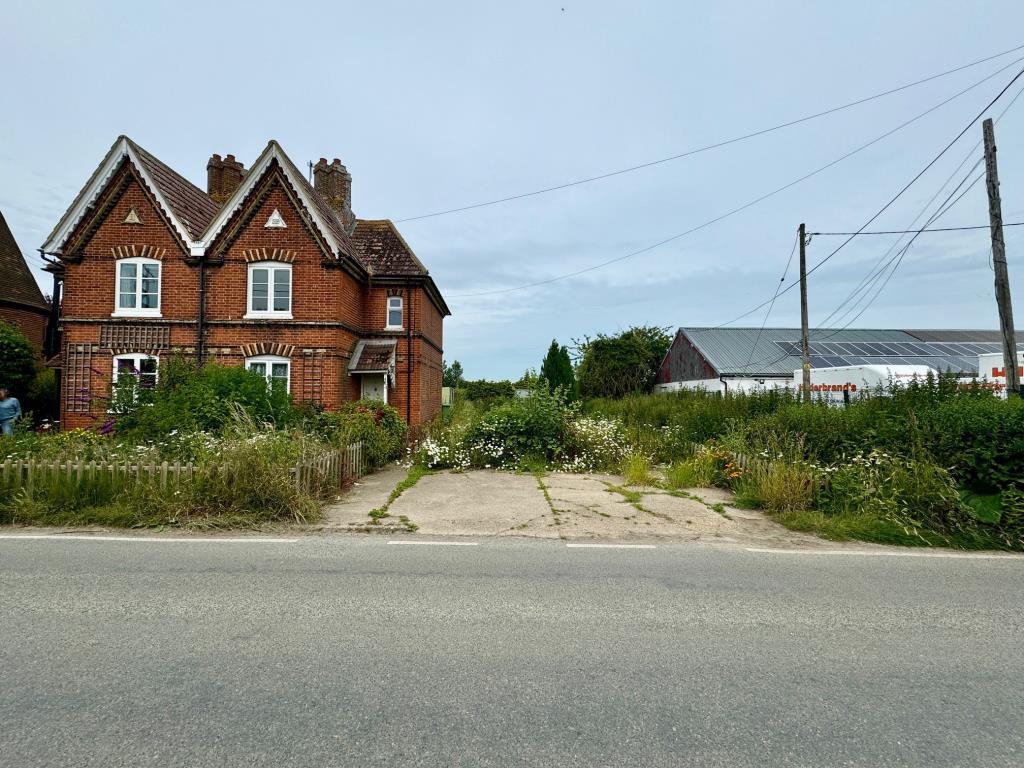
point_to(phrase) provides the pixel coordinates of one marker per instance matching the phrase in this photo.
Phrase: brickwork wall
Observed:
(331, 310)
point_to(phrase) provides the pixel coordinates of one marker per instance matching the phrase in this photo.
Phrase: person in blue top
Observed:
(10, 409)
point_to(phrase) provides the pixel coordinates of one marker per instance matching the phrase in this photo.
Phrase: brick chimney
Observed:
(334, 183)
(223, 177)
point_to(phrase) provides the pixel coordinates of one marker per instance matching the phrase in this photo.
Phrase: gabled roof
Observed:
(193, 207)
(374, 246)
(324, 217)
(186, 206)
(16, 282)
(383, 251)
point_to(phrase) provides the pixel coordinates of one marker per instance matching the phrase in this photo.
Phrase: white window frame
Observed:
(138, 310)
(387, 314)
(268, 361)
(269, 313)
(136, 358)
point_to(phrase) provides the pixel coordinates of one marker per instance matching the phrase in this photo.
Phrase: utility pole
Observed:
(995, 215)
(804, 340)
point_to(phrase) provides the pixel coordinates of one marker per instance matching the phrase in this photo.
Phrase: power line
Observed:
(746, 205)
(708, 147)
(944, 208)
(879, 269)
(892, 200)
(916, 231)
(772, 305)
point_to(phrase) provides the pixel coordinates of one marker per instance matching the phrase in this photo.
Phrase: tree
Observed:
(557, 371)
(17, 361)
(452, 376)
(615, 366)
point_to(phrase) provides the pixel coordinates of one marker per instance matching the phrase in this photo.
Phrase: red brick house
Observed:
(263, 269)
(21, 302)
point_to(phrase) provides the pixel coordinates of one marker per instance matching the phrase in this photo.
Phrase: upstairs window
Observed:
(138, 288)
(276, 370)
(270, 290)
(394, 313)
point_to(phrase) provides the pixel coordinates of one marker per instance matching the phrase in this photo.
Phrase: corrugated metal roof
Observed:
(758, 353)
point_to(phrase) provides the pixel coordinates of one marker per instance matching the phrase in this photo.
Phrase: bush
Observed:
(187, 399)
(913, 493)
(614, 366)
(376, 424)
(487, 390)
(17, 361)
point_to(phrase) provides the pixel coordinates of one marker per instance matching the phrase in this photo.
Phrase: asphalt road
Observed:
(354, 652)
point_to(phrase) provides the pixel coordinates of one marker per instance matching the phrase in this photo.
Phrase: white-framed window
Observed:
(394, 321)
(276, 370)
(137, 293)
(270, 290)
(142, 366)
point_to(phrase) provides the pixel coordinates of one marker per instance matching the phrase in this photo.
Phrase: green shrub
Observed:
(487, 390)
(17, 361)
(187, 399)
(376, 424)
(914, 493)
(522, 430)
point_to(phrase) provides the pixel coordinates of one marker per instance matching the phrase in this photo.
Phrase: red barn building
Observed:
(21, 302)
(263, 269)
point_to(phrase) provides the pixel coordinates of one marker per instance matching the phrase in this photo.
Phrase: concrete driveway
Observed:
(557, 506)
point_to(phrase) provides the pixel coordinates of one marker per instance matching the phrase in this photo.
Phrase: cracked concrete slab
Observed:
(484, 502)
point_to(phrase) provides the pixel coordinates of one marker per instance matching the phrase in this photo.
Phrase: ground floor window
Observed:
(276, 370)
(143, 367)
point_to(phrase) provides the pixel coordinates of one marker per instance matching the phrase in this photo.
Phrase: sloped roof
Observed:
(373, 356)
(324, 217)
(382, 249)
(16, 282)
(374, 245)
(775, 352)
(193, 207)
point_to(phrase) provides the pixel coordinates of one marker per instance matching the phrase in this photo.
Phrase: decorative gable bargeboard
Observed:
(263, 270)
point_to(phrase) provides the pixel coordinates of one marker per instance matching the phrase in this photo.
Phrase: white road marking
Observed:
(161, 539)
(439, 543)
(869, 553)
(611, 546)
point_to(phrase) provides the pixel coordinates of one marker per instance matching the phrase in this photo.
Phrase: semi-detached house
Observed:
(263, 269)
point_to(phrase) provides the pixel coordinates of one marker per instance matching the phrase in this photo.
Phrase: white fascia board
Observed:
(97, 182)
(86, 197)
(252, 177)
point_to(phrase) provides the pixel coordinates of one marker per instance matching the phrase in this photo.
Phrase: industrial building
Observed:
(741, 359)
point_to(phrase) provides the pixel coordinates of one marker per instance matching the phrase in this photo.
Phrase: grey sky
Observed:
(437, 105)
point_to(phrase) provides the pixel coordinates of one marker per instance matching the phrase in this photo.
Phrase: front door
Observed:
(375, 387)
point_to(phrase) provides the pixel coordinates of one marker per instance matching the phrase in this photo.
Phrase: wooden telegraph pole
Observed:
(804, 340)
(995, 215)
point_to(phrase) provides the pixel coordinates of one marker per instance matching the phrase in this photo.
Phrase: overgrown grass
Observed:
(636, 469)
(776, 487)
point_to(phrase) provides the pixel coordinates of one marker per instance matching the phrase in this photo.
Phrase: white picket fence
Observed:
(332, 468)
